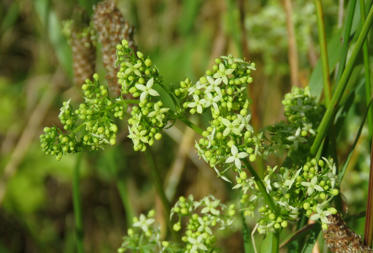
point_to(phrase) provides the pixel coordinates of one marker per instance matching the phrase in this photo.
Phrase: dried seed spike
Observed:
(341, 239)
(111, 30)
(84, 55)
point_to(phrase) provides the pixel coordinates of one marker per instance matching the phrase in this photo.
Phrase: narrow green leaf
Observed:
(165, 96)
(52, 26)
(343, 170)
(316, 79)
(270, 243)
(312, 238)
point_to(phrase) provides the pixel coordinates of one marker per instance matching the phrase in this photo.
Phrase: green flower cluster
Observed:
(139, 78)
(144, 236)
(90, 126)
(306, 190)
(201, 218)
(303, 115)
(222, 90)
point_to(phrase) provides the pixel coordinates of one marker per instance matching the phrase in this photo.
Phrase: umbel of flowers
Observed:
(307, 190)
(140, 79)
(299, 187)
(88, 127)
(196, 221)
(222, 92)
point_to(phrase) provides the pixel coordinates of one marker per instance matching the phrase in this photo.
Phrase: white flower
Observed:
(222, 73)
(321, 214)
(198, 103)
(213, 100)
(158, 112)
(197, 244)
(234, 127)
(236, 156)
(147, 90)
(211, 137)
(312, 186)
(211, 206)
(143, 223)
(130, 68)
(289, 182)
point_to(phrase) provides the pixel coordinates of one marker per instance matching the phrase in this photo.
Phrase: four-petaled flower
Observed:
(198, 103)
(222, 74)
(312, 186)
(321, 215)
(143, 223)
(198, 244)
(236, 156)
(234, 127)
(146, 90)
(211, 206)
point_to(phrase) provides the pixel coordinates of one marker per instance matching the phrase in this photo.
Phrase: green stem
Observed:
(262, 189)
(323, 50)
(341, 85)
(276, 242)
(346, 34)
(131, 101)
(368, 88)
(77, 205)
(368, 233)
(192, 126)
(158, 185)
(123, 193)
(246, 234)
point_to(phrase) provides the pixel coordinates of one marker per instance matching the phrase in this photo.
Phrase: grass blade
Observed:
(341, 85)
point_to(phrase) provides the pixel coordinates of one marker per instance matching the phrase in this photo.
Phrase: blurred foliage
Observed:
(181, 38)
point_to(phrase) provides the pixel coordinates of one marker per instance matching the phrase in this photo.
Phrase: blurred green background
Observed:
(182, 37)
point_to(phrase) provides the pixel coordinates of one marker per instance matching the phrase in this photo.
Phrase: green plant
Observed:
(304, 185)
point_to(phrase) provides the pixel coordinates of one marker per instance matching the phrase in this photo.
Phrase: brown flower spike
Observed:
(84, 56)
(111, 30)
(341, 239)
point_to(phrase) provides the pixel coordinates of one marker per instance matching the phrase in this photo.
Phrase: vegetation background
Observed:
(182, 38)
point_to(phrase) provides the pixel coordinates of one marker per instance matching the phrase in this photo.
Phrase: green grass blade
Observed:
(52, 26)
(324, 51)
(343, 170)
(346, 35)
(334, 52)
(341, 85)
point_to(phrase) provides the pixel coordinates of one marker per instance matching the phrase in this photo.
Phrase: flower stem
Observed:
(131, 101)
(123, 193)
(158, 185)
(77, 205)
(341, 85)
(368, 233)
(262, 189)
(246, 234)
(192, 126)
(346, 34)
(323, 50)
(368, 88)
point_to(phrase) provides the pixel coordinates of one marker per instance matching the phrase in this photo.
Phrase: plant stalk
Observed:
(368, 233)
(77, 205)
(261, 187)
(324, 51)
(341, 85)
(192, 126)
(346, 35)
(123, 193)
(368, 87)
(158, 185)
(246, 234)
